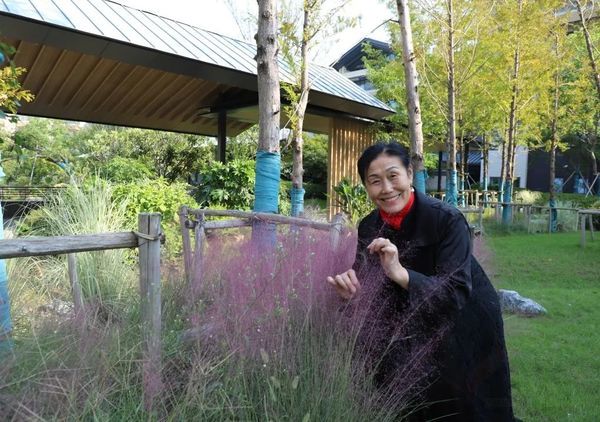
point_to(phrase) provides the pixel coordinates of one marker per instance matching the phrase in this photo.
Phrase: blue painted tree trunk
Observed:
(506, 209)
(461, 188)
(553, 216)
(5, 320)
(266, 194)
(451, 187)
(297, 196)
(419, 181)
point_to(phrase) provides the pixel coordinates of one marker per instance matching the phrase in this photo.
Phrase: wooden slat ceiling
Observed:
(95, 89)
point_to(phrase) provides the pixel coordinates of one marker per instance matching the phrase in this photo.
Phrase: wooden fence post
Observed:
(582, 218)
(149, 246)
(187, 244)
(336, 231)
(198, 260)
(75, 286)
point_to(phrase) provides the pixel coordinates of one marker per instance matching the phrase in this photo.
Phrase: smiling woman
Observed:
(434, 326)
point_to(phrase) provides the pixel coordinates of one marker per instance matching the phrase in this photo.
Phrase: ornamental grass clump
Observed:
(106, 277)
(295, 350)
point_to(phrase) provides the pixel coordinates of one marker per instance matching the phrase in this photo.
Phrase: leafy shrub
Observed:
(527, 196)
(156, 196)
(125, 170)
(152, 196)
(353, 200)
(231, 186)
(314, 160)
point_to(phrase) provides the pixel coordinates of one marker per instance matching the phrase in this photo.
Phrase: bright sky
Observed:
(215, 15)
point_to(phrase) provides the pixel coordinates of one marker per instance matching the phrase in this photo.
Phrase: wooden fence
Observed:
(196, 219)
(27, 193)
(147, 239)
(470, 198)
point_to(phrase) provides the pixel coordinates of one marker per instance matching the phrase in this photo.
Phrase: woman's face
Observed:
(388, 183)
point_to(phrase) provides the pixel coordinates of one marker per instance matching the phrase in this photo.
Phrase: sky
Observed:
(216, 16)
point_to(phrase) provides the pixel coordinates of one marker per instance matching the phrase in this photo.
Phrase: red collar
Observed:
(395, 220)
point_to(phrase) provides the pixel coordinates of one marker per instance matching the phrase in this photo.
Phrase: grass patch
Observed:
(554, 360)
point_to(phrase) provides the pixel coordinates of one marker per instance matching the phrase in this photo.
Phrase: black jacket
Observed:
(444, 334)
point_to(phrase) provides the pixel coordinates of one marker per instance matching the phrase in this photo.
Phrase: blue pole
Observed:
(451, 188)
(5, 320)
(507, 210)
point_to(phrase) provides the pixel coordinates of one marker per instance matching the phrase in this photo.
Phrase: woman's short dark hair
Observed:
(374, 151)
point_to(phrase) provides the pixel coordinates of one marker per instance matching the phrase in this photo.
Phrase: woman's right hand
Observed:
(346, 284)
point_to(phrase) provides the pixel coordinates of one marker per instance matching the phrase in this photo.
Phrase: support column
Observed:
(222, 136)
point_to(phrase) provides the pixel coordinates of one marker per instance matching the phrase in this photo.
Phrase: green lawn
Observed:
(555, 359)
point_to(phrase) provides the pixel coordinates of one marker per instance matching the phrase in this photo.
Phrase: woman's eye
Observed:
(375, 182)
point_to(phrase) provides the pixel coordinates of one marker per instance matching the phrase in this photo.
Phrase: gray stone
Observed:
(513, 302)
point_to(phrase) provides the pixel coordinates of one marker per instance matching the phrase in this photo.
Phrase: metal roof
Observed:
(111, 20)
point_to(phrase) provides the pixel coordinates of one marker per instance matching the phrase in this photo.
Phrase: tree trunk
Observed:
(502, 167)
(486, 171)
(554, 144)
(451, 177)
(297, 193)
(268, 159)
(590, 47)
(412, 95)
(512, 130)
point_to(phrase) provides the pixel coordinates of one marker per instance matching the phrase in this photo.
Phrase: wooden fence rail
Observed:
(24, 193)
(584, 216)
(195, 219)
(147, 239)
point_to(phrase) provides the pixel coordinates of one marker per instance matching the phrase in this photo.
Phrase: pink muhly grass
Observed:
(278, 311)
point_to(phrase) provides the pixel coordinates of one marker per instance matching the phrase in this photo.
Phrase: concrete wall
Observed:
(495, 162)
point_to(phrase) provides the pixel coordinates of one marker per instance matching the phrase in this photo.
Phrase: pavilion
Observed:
(103, 62)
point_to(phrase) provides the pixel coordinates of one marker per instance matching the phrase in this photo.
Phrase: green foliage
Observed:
(172, 156)
(125, 170)
(38, 153)
(156, 196)
(152, 196)
(11, 92)
(229, 185)
(243, 146)
(314, 160)
(430, 161)
(353, 200)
